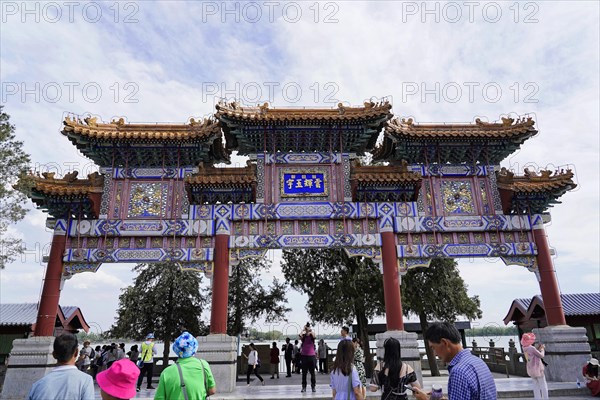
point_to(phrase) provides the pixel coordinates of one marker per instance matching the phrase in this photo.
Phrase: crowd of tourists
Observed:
(100, 358)
(469, 376)
(120, 376)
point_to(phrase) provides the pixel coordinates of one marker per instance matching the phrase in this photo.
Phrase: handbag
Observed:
(140, 362)
(375, 377)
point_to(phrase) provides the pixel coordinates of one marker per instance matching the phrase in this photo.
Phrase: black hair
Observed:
(345, 328)
(274, 344)
(287, 339)
(442, 330)
(391, 361)
(65, 346)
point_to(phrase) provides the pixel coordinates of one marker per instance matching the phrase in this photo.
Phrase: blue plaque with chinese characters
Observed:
(304, 183)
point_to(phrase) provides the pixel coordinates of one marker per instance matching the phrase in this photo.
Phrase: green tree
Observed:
(14, 164)
(437, 293)
(164, 300)
(340, 289)
(249, 300)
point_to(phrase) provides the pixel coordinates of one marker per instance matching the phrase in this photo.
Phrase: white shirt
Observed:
(252, 357)
(87, 352)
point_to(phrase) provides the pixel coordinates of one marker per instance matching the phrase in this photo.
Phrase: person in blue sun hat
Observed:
(195, 373)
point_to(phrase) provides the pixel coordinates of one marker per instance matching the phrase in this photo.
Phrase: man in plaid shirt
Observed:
(469, 377)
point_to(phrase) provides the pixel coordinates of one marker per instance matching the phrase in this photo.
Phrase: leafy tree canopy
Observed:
(437, 293)
(249, 300)
(164, 300)
(335, 284)
(14, 164)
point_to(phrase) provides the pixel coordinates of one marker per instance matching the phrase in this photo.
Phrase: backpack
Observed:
(92, 354)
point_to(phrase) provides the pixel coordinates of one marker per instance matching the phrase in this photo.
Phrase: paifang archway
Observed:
(159, 197)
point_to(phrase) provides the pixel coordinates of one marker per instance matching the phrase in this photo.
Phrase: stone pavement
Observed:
(289, 388)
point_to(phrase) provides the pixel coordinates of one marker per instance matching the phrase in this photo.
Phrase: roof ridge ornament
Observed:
(264, 108)
(71, 177)
(118, 122)
(91, 121)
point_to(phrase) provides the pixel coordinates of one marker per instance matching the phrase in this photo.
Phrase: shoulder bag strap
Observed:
(205, 378)
(183, 389)
(349, 385)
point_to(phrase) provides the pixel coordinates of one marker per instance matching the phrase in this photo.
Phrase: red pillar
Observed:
(391, 283)
(548, 284)
(96, 199)
(46, 317)
(220, 289)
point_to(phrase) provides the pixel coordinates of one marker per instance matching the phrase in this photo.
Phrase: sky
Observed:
(436, 62)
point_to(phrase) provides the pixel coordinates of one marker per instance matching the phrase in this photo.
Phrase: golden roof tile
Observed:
(533, 182)
(507, 128)
(118, 129)
(383, 174)
(209, 175)
(264, 113)
(68, 185)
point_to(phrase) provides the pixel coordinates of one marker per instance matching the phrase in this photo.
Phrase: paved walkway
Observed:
(289, 388)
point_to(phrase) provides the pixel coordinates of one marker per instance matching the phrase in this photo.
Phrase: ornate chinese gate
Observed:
(159, 197)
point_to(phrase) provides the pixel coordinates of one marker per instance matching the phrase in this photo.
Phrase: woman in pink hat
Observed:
(535, 366)
(119, 381)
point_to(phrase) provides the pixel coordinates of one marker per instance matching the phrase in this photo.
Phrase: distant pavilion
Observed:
(581, 309)
(17, 321)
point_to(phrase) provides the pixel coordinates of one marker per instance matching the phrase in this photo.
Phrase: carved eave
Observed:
(384, 183)
(68, 196)
(347, 129)
(532, 193)
(222, 185)
(147, 145)
(483, 142)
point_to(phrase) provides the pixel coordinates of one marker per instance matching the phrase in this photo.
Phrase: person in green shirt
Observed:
(196, 373)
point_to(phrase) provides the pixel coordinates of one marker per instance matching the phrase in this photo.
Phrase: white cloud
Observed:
(371, 51)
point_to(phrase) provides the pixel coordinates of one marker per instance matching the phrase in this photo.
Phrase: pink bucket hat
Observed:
(527, 339)
(119, 380)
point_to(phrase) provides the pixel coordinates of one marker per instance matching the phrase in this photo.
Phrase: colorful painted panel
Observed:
(484, 197)
(303, 182)
(302, 158)
(148, 200)
(457, 196)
